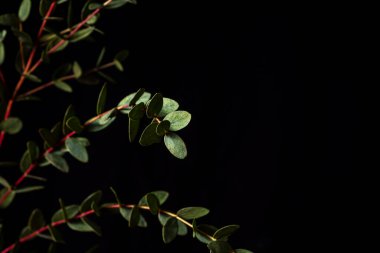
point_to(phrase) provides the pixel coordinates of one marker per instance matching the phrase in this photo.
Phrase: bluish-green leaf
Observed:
(77, 70)
(36, 220)
(163, 127)
(195, 212)
(169, 105)
(162, 196)
(126, 214)
(58, 161)
(95, 227)
(86, 204)
(29, 189)
(71, 212)
(103, 121)
(153, 203)
(74, 124)
(170, 230)
(80, 226)
(137, 111)
(163, 218)
(175, 145)
(82, 34)
(182, 229)
(24, 10)
(77, 150)
(243, 251)
(34, 150)
(12, 125)
(101, 100)
(119, 3)
(8, 200)
(133, 129)
(154, 105)
(178, 120)
(219, 247)
(136, 97)
(63, 86)
(225, 231)
(25, 161)
(149, 135)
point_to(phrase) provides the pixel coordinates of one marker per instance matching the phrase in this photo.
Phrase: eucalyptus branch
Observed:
(46, 228)
(64, 78)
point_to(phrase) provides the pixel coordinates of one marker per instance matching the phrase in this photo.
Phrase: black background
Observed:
(273, 143)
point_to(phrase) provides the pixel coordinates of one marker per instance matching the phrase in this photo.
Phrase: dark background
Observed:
(273, 144)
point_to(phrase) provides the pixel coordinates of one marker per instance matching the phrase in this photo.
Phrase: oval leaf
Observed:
(169, 105)
(25, 161)
(162, 196)
(175, 145)
(71, 212)
(80, 226)
(178, 120)
(95, 227)
(243, 251)
(8, 200)
(82, 34)
(77, 70)
(101, 100)
(29, 189)
(169, 230)
(189, 213)
(137, 111)
(154, 105)
(87, 204)
(225, 231)
(149, 135)
(36, 220)
(58, 161)
(77, 150)
(48, 137)
(74, 124)
(24, 10)
(12, 125)
(163, 127)
(182, 229)
(68, 114)
(63, 86)
(219, 247)
(134, 217)
(153, 203)
(4, 182)
(34, 150)
(133, 129)
(136, 97)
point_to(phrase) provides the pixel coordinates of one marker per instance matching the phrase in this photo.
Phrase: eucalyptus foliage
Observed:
(152, 119)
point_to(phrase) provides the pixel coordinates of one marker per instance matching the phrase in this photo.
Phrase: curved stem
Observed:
(91, 212)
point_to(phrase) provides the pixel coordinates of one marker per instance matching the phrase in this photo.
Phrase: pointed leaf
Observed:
(153, 203)
(203, 231)
(12, 125)
(95, 227)
(189, 213)
(34, 150)
(8, 200)
(225, 231)
(30, 189)
(154, 105)
(77, 70)
(33, 78)
(175, 145)
(169, 105)
(77, 150)
(134, 217)
(25, 161)
(62, 71)
(55, 235)
(137, 96)
(2, 53)
(24, 10)
(126, 214)
(133, 129)
(163, 218)
(63, 86)
(80, 226)
(68, 114)
(44, 7)
(82, 34)
(92, 198)
(101, 100)
(122, 55)
(48, 137)
(149, 135)
(132, 98)
(71, 212)
(178, 120)
(163, 127)
(119, 3)
(169, 230)
(100, 57)
(106, 77)
(74, 124)
(137, 111)
(162, 196)
(219, 247)
(103, 121)
(58, 161)
(118, 65)
(36, 220)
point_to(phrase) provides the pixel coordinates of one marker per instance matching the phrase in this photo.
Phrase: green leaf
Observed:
(225, 231)
(118, 65)
(115, 194)
(56, 131)
(33, 78)
(206, 230)
(12, 125)
(131, 97)
(77, 150)
(169, 105)
(24, 38)
(34, 150)
(162, 196)
(9, 19)
(77, 70)
(178, 120)
(163, 127)
(2, 53)
(24, 10)
(154, 105)
(134, 217)
(153, 203)
(243, 251)
(48, 137)
(163, 218)
(55, 235)
(4, 182)
(86, 204)
(36, 220)
(30, 189)
(219, 247)
(169, 230)
(63, 86)
(44, 7)
(101, 100)
(175, 145)
(62, 71)
(189, 213)
(74, 124)
(71, 212)
(102, 122)
(126, 214)
(82, 34)
(8, 200)
(100, 57)
(80, 226)
(122, 55)
(68, 114)
(58, 161)
(182, 229)
(137, 111)
(106, 77)
(95, 228)
(133, 129)
(25, 161)
(149, 135)
(83, 141)
(119, 3)
(3, 34)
